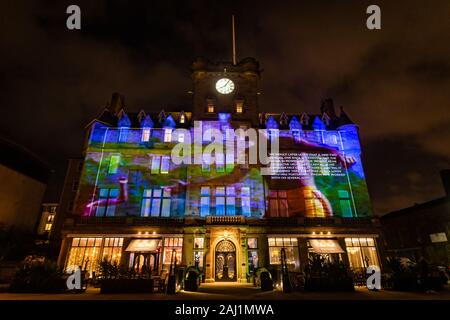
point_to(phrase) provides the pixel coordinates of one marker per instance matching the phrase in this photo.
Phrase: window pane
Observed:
(100, 212)
(156, 206)
(231, 191)
(354, 257)
(370, 256)
(167, 192)
(155, 164)
(253, 260)
(370, 242)
(111, 210)
(220, 191)
(204, 206)
(198, 243)
(346, 208)
(103, 193)
(246, 206)
(156, 193)
(114, 164)
(271, 242)
(167, 135)
(198, 258)
(204, 191)
(145, 210)
(145, 135)
(165, 211)
(114, 193)
(165, 164)
(220, 206)
(274, 255)
(231, 206)
(348, 242)
(83, 242)
(75, 242)
(91, 242)
(343, 194)
(245, 191)
(147, 193)
(283, 209)
(252, 243)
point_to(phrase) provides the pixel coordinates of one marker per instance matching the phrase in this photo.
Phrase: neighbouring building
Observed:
(421, 231)
(24, 178)
(136, 206)
(48, 213)
(67, 198)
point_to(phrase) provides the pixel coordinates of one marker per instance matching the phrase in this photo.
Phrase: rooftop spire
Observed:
(233, 39)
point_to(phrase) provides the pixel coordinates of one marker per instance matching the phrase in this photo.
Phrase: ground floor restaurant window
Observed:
(362, 252)
(171, 244)
(86, 253)
(291, 248)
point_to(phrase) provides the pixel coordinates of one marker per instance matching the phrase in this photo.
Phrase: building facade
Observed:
(422, 230)
(228, 211)
(25, 178)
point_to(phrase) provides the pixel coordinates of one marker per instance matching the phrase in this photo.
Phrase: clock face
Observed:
(225, 86)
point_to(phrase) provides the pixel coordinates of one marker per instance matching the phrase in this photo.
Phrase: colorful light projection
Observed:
(317, 173)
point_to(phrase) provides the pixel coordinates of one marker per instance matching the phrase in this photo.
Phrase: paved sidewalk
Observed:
(236, 291)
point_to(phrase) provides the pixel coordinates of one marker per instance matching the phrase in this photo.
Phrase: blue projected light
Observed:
(224, 117)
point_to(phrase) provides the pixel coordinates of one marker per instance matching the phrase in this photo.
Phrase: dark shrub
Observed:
(266, 281)
(323, 275)
(38, 275)
(191, 281)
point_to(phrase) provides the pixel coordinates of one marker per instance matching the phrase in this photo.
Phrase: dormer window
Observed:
(239, 106)
(210, 108)
(167, 135)
(145, 135)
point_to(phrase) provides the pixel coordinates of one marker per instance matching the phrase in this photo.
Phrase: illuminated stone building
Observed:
(134, 205)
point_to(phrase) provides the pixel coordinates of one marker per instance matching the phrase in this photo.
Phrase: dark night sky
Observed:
(395, 83)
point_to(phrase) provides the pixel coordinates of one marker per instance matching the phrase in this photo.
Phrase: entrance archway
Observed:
(225, 261)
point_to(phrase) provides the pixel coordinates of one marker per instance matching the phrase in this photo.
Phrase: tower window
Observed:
(167, 135)
(239, 107)
(182, 118)
(145, 135)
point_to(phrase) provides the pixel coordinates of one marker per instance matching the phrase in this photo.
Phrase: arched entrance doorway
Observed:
(225, 261)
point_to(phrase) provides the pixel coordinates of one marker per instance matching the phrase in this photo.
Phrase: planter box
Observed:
(127, 286)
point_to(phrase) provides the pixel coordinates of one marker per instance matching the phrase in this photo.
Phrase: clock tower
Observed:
(224, 87)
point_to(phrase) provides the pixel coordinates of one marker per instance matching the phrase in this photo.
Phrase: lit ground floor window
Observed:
(86, 253)
(362, 252)
(171, 244)
(291, 248)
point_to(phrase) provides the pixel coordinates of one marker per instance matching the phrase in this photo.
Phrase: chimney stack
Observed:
(445, 177)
